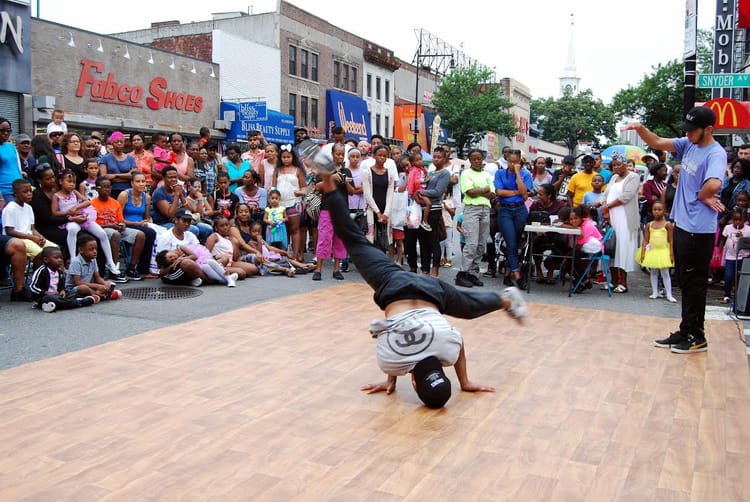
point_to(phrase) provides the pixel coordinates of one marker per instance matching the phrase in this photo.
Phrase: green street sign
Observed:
(723, 80)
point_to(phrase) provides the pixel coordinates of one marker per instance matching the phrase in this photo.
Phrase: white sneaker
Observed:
(196, 282)
(672, 299)
(232, 280)
(653, 296)
(49, 307)
(518, 309)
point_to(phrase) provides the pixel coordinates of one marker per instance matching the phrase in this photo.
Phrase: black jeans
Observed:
(692, 255)
(392, 283)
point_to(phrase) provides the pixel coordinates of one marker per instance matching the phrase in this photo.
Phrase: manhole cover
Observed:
(161, 293)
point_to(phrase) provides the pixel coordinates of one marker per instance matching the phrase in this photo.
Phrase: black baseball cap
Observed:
(699, 117)
(433, 387)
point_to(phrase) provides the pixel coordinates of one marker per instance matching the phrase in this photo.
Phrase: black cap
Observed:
(183, 214)
(699, 117)
(569, 159)
(589, 156)
(433, 387)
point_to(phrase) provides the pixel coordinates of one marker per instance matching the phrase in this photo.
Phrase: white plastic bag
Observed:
(413, 215)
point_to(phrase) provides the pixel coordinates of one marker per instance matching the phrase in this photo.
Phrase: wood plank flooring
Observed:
(263, 404)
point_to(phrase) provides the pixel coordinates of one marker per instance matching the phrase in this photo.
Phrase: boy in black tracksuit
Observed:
(47, 297)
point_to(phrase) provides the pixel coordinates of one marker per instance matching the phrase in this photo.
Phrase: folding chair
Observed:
(739, 305)
(601, 257)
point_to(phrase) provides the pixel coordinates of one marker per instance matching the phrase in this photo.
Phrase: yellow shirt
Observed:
(579, 184)
(471, 179)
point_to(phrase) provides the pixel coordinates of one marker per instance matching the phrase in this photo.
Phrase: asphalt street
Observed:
(28, 335)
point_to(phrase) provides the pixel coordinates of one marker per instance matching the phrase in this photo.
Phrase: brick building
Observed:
(297, 63)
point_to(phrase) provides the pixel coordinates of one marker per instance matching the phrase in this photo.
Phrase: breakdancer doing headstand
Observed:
(414, 336)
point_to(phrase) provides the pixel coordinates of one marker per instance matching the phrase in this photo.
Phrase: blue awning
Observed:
(277, 128)
(349, 112)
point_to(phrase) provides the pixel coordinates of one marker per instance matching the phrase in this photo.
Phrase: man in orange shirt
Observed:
(109, 217)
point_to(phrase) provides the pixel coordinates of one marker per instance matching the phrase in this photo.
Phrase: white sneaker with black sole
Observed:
(49, 307)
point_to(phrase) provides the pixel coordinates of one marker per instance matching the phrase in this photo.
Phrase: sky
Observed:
(616, 43)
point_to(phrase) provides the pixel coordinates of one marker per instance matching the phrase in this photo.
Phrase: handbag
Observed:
(381, 237)
(312, 202)
(441, 230)
(611, 245)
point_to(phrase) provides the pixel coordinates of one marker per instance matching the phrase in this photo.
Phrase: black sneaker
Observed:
(463, 280)
(118, 278)
(133, 275)
(338, 275)
(474, 279)
(490, 273)
(673, 339)
(316, 276)
(690, 345)
(345, 266)
(507, 281)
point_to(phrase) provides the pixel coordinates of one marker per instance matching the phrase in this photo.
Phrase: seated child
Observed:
(226, 250)
(18, 222)
(83, 277)
(198, 203)
(418, 180)
(168, 260)
(69, 203)
(109, 217)
(273, 259)
(589, 242)
(48, 285)
(224, 201)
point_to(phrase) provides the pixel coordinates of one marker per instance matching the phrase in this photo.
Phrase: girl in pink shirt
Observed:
(589, 242)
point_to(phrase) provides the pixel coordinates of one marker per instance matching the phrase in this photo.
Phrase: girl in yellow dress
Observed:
(656, 252)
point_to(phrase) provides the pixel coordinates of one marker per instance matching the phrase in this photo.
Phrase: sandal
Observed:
(551, 280)
(620, 289)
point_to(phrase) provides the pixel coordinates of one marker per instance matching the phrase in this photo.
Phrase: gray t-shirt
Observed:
(79, 266)
(409, 337)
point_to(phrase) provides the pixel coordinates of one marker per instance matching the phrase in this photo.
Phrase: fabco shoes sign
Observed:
(103, 88)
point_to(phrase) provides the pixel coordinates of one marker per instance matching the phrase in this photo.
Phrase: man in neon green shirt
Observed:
(478, 191)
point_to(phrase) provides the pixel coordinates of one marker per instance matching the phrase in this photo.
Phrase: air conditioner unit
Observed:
(222, 125)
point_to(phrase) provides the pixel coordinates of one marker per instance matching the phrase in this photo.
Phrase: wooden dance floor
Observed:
(263, 404)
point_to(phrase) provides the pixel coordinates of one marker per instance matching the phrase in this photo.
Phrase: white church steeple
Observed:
(570, 80)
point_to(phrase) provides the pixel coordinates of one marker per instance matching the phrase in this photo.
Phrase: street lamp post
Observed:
(419, 56)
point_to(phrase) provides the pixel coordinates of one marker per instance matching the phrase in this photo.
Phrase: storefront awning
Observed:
(349, 112)
(277, 128)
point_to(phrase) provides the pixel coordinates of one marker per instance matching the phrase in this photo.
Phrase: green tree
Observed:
(657, 100)
(573, 118)
(470, 104)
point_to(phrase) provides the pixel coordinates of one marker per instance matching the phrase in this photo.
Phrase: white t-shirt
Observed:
(408, 337)
(21, 218)
(491, 168)
(169, 241)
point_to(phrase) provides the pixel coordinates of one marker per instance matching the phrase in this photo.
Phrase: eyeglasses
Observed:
(55, 134)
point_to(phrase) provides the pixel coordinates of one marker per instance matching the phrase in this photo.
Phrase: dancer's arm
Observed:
(388, 386)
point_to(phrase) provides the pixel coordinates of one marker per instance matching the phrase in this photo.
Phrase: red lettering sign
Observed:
(108, 90)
